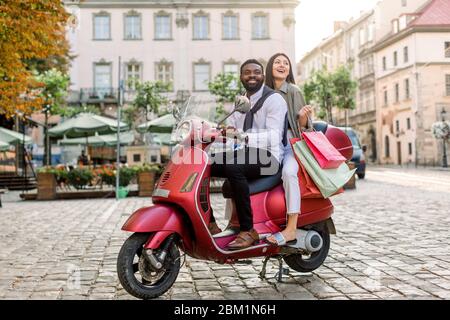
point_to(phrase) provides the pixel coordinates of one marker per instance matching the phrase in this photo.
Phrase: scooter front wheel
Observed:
(137, 276)
(309, 263)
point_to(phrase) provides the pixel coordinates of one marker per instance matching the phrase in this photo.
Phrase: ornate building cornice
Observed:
(184, 3)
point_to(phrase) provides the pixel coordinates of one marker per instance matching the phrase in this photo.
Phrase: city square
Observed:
(112, 113)
(391, 243)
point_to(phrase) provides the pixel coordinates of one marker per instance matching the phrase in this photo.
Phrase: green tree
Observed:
(319, 89)
(31, 30)
(344, 89)
(225, 86)
(52, 95)
(149, 99)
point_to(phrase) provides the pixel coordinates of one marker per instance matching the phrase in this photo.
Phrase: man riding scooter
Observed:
(262, 131)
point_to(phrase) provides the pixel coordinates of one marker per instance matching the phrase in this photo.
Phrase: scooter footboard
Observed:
(160, 219)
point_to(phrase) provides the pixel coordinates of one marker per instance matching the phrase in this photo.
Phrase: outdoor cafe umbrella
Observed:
(164, 139)
(163, 124)
(12, 137)
(4, 146)
(84, 125)
(101, 140)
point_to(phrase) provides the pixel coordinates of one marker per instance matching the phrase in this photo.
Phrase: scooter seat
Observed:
(256, 186)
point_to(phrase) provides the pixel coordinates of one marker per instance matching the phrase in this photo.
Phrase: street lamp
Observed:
(444, 140)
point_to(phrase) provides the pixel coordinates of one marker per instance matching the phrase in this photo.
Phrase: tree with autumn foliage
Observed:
(31, 33)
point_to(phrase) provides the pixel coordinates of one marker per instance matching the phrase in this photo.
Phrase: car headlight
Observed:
(183, 131)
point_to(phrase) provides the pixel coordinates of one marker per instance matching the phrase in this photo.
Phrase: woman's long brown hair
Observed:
(269, 71)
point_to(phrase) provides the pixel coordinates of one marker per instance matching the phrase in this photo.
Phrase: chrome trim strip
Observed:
(163, 193)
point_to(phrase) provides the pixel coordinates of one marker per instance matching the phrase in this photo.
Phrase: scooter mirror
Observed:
(241, 104)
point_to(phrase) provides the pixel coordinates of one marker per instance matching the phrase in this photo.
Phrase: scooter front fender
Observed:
(161, 218)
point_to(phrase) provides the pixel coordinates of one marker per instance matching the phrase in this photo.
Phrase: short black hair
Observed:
(252, 61)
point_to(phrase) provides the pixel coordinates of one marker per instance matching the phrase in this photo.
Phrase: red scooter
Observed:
(149, 260)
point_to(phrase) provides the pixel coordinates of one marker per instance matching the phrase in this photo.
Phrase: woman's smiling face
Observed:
(281, 68)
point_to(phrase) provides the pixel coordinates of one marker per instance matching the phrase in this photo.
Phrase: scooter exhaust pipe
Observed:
(308, 240)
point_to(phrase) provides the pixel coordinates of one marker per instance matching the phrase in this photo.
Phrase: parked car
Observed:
(359, 157)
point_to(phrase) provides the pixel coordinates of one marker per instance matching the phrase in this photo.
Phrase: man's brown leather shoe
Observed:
(245, 239)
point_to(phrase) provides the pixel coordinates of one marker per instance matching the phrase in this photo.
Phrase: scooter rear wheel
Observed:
(136, 275)
(309, 263)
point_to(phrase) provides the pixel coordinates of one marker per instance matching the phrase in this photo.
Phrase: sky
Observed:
(315, 20)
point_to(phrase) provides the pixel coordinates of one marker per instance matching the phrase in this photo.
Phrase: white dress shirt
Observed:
(268, 124)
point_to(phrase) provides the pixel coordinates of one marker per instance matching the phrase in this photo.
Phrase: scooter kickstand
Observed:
(262, 274)
(281, 271)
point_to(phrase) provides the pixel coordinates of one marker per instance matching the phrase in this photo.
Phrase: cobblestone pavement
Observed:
(392, 243)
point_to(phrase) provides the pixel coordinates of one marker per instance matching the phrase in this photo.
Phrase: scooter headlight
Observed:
(183, 131)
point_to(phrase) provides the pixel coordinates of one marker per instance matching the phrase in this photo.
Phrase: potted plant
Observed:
(147, 178)
(46, 178)
(126, 175)
(80, 178)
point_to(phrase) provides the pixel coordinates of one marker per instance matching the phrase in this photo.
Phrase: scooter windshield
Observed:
(203, 107)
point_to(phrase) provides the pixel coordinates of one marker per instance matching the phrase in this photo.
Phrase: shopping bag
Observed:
(325, 153)
(328, 181)
(308, 189)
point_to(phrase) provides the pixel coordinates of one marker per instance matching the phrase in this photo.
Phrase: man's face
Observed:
(252, 77)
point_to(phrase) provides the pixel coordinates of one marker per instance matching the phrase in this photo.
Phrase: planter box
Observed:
(46, 186)
(146, 183)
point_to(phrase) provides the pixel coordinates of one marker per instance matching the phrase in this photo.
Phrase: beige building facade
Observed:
(413, 85)
(184, 43)
(351, 45)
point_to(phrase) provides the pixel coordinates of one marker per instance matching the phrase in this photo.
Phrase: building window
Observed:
(232, 68)
(260, 26)
(164, 73)
(163, 26)
(385, 98)
(202, 72)
(136, 157)
(201, 26)
(410, 148)
(384, 64)
(352, 42)
(102, 78)
(230, 26)
(407, 92)
(395, 26)
(397, 92)
(362, 37)
(395, 58)
(408, 123)
(405, 54)
(371, 32)
(447, 85)
(404, 3)
(133, 75)
(102, 26)
(397, 126)
(387, 151)
(132, 26)
(447, 49)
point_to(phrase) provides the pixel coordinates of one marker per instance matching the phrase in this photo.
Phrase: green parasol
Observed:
(85, 125)
(164, 124)
(101, 140)
(12, 137)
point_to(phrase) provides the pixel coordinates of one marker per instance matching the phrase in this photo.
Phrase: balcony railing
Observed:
(111, 95)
